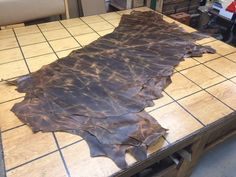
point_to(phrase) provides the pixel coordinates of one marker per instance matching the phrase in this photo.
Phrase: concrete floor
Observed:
(218, 162)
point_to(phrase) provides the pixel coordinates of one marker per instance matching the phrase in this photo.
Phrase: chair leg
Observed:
(67, 9)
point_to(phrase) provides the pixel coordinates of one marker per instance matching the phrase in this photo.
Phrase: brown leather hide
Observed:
(100, 91)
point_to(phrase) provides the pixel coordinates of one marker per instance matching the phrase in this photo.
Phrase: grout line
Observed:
(13, 128)
(30, 161)
(160, 106)
(187, 111)
(61, 155)
(2, 162)
(11, 100)
(21, 51)
(91, 27)
(71, 33)
(72, 144)
(205, 89)
(48, 42)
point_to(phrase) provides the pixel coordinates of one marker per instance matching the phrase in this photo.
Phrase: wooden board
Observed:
(201, 95)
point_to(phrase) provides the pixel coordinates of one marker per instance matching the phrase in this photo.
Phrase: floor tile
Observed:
(207, 57)
(48, 166)
(99, 26)
(78, 30)
(110, 15)
(36, 50)
(87, 38)
(31, 39)
(128, 11)
(8, 43)
(20, 145)
(181, 87)
(13, 69)
(103, 33)
(65, 139)
(187, 63)
(232, 57)
(9, 55)
(36, 63)
(8, 119)
(221, 47)
(178, 122)
(187, 28)
(56, 34)
(50, 26)
(66, 52)
(72, 22)
(64, 44)
(26, 30)
(114, 22)
(226, 92)
(160, 102)
(203, 76)
(205, 107)
(80, 163)
(8, 92)
(223, 66)
(92, 19)
(7, 33)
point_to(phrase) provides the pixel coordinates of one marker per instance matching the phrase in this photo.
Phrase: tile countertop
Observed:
(208, 82)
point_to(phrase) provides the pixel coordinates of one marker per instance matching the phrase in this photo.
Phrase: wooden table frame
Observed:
(199, 142)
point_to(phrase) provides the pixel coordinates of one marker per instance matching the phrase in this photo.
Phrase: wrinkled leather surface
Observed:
(100, 91)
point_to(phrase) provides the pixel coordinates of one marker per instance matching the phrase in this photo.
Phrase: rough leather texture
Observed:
(100, 91)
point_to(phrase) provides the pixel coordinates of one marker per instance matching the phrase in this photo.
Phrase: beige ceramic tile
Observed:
(78, 160)
(92, 19)
(36, 49)
(66, 52)
(223, 66)
(20, 145)
(103, 33)
(31, 39)
(114, 22)
(206, 40)
(143, 9)
(181, 87)
(160, 102)
(187, 63)
(65, 139)
(187, 28)
(100, 26)
(8, 92)
(110, 16)
(7, 33)
(8, 119)
(232, 57)
(36, 63)
(13, 69)
(26, 30)
(234, 79)
(50, 26)
(221, 47)
(207, 57)
(205, 107)
(128, 11)
(48, 166)
(225, 92)
(78, 30)
(87, 38)
(72, 22)
(178, 122)
(10, 55)
(64, 44)
(203, 76)
(56, 34)
(8, 43)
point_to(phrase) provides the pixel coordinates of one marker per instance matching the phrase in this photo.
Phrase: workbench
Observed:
(198, 108)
